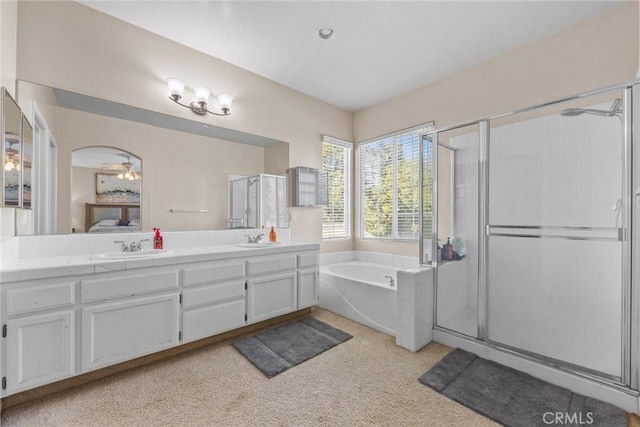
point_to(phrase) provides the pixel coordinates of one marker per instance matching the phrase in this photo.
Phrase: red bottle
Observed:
(272, 235)
(157, 239)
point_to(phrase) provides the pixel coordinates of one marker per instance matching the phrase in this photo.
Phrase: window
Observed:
(389, 188)
(336, 161)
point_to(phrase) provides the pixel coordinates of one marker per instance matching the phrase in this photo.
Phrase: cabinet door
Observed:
(40, 350)
(307, 288)
(117, 331)
(271, 296)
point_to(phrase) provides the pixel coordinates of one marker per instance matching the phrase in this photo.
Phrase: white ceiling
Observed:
(380, 49)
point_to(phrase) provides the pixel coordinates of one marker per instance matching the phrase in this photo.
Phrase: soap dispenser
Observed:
(157, 239)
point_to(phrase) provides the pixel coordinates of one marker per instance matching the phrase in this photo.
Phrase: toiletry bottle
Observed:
(157, 239)
(272, 235)
(449, 247)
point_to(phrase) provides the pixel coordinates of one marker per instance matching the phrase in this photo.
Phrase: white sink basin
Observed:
(137, 254)
(259, 245)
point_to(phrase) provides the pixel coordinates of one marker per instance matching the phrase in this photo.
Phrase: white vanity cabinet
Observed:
(39, 333)
(58, 327)
(271, 286)
(138, 314)
(213, 298)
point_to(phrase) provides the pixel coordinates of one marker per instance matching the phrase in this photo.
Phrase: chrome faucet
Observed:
(256, 239)
(132, 247)
(391, 281)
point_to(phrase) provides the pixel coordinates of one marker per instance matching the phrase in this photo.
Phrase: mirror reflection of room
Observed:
(106, 188)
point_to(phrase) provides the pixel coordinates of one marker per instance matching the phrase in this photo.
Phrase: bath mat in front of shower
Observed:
(514, 398)
(276, 350)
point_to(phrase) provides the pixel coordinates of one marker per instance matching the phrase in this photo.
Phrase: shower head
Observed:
(615, 110)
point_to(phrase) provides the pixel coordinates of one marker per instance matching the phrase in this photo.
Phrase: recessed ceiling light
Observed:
(206, 126)
(326, 32)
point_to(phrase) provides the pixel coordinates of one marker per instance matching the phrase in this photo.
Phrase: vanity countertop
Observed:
(73, 265)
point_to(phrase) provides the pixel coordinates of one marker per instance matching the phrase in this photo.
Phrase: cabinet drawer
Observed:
(36, 298)
(270, 264)
(213, 273)
(307, 259)
(211, 294)
(208, 321)
(101, 289)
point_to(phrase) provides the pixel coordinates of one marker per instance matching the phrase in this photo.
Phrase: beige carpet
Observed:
(367, 380)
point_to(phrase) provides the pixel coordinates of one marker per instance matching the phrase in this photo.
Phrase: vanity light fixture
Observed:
(199, 106)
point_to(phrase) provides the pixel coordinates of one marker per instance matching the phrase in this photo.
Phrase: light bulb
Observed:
(225, 101)
(202, 94)
(176, 87)
(8, 166)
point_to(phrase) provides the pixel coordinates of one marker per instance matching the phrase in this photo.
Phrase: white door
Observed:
(40, 350)
(271, 296)
(307, 288)
(118, 331)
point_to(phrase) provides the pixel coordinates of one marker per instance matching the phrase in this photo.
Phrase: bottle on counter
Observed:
(272, 235)
(157, 239)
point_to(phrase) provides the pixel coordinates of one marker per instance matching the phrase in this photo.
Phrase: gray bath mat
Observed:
(514, 398)
(276, 350)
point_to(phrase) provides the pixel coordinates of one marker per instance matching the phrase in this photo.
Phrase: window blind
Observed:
(389, 198)
(336, 162)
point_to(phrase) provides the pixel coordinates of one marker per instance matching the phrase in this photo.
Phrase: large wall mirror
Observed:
(186, 164)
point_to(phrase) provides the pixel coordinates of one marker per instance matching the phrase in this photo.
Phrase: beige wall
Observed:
(179, 170)
(8, 44)
(597, 53)
(72, 47)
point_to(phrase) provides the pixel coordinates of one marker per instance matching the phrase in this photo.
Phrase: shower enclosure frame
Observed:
(628, 232)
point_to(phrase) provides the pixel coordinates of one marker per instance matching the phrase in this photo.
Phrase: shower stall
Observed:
(258, 201)
(529, 222)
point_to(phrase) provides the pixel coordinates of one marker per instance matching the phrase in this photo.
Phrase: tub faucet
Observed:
(391, 281)
(256, 239)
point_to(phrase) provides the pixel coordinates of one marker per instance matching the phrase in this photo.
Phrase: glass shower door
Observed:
(555, 235)
(457, 230)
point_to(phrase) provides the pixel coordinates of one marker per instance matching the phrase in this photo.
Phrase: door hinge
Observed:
(179, 335)
(245, 317)
(4, 383)
(4, 331)
(245, 285)
(180, 299)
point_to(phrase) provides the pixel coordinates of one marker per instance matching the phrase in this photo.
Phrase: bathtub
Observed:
(359, 291)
